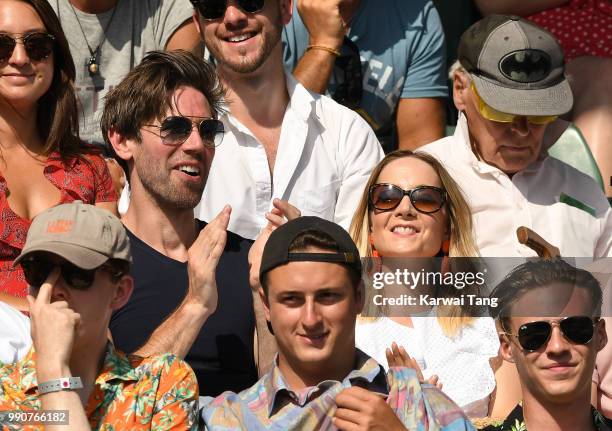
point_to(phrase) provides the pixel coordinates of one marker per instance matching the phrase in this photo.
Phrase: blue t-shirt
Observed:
(401, 44)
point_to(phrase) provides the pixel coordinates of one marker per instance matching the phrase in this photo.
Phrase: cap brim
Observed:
(555, 100)
(77, 255)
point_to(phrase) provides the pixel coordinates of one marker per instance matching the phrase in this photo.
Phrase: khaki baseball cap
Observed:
(516, 66)
(84, 235)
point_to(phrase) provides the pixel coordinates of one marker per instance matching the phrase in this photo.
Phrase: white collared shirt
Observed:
(15, 340)
(561, 204)
(324, 158)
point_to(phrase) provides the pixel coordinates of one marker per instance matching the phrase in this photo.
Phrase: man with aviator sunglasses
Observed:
(77, 261)
(509, 85)
(554, 353)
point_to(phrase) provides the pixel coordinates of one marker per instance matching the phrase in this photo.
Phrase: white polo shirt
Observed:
(563, 205)
(325, 155)
(15, 338)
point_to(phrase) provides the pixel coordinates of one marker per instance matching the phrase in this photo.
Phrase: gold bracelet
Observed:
(332, 51)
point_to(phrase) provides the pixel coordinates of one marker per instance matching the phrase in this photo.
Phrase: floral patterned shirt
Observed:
(131, 393)
(516, 422)
(86, 179)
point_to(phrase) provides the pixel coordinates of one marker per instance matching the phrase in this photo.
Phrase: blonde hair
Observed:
(462, 243)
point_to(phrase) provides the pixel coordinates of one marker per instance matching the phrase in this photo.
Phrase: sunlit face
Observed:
(312, 307)
(559, 371)
(510, 147)
(241, 41)
(174, 176)
(404, 231)
(22, 81)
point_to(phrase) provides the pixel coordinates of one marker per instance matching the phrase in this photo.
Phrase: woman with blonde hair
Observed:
(411, 208)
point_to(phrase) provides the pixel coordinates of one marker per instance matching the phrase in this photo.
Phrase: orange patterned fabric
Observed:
(131, 393)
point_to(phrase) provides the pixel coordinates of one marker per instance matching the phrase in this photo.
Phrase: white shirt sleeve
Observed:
(15, 337)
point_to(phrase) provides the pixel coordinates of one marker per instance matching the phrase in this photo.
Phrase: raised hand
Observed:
(323, 20)
(397, 356)
(362, 410)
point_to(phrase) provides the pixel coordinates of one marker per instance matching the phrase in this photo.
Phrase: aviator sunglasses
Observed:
(533, 335)
(38, 46)
(37, 270)
(176, 129)
(215, 9)
(424, 199)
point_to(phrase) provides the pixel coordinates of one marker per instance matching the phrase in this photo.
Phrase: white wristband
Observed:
(61, 384)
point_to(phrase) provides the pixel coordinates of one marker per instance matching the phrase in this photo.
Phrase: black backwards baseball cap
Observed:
(516, 66)
(276, 252)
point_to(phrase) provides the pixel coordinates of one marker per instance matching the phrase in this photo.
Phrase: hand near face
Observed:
(203, 257)
(54, 327)
(323, 20)
(361, 410)
(279, 215)
(398, 357)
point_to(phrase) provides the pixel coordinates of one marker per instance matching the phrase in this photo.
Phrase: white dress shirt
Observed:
(561, 204)
(324, 158)
(15, 338)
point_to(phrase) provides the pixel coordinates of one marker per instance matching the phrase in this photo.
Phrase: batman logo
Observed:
(525, 65)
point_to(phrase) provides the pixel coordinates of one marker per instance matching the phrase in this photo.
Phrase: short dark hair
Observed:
(119, 268)
(539, 273)
(313, 238)
(145, 93)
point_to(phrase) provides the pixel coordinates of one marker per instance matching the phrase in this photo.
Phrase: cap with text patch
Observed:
(84, 235)
(516, 66)
(277, 249)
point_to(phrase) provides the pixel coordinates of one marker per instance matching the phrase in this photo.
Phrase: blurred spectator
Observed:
(508, 90)
(42, 162)
(162, 121)
(584, 30)
(282, 140)
(15, 338)
(548, 313)
(77, 262)
(385, 59)
(310, 282)
(109, 37)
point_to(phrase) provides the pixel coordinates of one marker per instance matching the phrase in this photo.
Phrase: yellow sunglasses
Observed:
(493, 114)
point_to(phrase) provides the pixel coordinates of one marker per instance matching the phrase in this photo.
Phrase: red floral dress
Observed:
(86, 179)
(583, 27)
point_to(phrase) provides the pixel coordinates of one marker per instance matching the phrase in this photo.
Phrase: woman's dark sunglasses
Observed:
(176, 129)
(38, 46)
(533, 335)
(215, 9)
(37, 270)
(424, 199)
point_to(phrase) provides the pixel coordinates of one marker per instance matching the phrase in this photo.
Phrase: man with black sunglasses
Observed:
(383, 58)
(509, 85)
(191, 294)
(77, 262)
(282, 141)
(555, 352)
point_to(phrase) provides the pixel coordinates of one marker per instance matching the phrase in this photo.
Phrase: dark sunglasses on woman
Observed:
(38, 46)
(176, 129)
(424, 199)
(576, 329)
(215, 9)
(37, 270)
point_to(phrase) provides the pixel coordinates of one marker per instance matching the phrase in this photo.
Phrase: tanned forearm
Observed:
(178, 332)
(314, 69)
(266, 344)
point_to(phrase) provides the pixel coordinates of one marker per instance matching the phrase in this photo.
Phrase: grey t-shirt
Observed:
(136, 27)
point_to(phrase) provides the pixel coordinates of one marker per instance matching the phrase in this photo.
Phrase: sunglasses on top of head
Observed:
(176, 129)
(215, 9)
(38, 45)
(424, 199)
(37, 270)
(576, 329)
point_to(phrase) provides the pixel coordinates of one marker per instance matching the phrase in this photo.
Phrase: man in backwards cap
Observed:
(77, 262)
(509, 86)
(310, 276)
